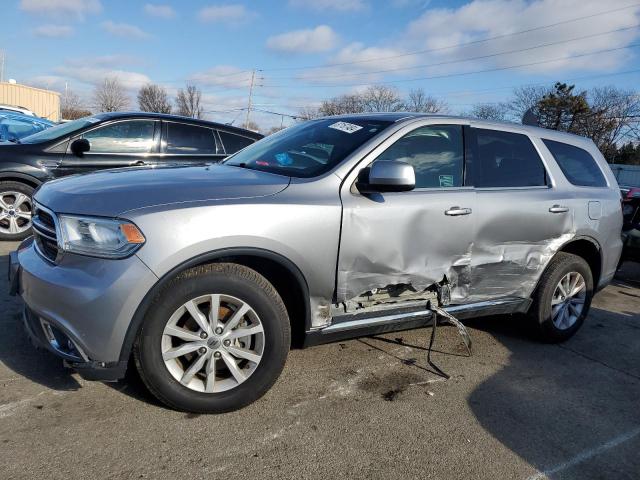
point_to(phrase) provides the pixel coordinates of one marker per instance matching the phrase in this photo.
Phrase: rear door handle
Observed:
(457, 211)
(558, 209)
(139, 163)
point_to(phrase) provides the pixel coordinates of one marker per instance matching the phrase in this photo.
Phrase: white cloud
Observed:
(223, 75)
(124, 30)
(230, 13)
(158, 10)
(53, 31)
(443, 27)
(62, 8)
(319, 39)
(95, 75)
(337, 5)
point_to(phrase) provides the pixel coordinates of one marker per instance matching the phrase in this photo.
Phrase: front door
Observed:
(414, 238)
(116, 144)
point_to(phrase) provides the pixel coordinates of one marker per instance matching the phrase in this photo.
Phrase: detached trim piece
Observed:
(348, 328)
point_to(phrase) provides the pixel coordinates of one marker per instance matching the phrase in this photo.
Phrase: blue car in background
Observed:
(14, 126)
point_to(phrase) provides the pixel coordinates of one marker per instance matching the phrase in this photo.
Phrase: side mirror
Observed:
(80, 146)
(386, 176)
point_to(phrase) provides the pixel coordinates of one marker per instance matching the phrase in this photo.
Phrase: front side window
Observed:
(132, 136)
(577, 164)
(232, 142)
(436, 153)
(189, 139)
(308, 149)
(61, 130)
(505, 159)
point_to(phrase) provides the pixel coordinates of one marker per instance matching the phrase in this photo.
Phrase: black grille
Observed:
(44, 233)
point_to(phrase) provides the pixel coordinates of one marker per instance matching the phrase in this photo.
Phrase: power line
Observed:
(480, 57)
(474, 42)
(451, 75)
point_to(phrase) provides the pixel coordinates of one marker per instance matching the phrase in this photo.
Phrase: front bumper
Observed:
(81, 308)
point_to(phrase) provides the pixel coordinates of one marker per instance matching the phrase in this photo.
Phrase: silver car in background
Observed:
(333, 228)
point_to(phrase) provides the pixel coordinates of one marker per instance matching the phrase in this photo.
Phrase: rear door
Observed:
(521, 217)
(121, 143)
(189, 143)
(416, 238)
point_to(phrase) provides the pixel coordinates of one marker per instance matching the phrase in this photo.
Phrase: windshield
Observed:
(308, 149)
(60, 130)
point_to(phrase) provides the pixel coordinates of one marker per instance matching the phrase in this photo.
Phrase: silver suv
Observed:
(334, 228)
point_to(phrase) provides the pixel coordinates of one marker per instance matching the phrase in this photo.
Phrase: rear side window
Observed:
(436, 153)
(189, 139)
(505, 159)
(577, 164)
(232, 143)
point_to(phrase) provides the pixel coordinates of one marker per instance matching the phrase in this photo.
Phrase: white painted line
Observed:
(586, 455)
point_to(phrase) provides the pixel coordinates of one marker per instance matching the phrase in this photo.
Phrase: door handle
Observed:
(558, 209)
(139, 163)
(457, 211)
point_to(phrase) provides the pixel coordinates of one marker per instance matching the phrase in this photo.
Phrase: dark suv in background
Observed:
(107, 140)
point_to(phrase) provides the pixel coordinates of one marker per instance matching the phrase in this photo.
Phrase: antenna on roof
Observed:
(530, 118)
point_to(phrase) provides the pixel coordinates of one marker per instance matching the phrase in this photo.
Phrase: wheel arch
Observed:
(281, 272)
(589, 249)
(20, 177)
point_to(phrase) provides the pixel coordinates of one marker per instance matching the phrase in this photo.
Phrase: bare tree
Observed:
(418, 101)
(381, 98)
(71, 106)
(110, 96)
(351, 103)
(525, 98)
(490, 111)
(188, 102)
(153, 98)
(308, 113)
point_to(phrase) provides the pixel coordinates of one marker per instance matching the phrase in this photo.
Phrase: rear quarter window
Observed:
(577, 164)
(232, 143)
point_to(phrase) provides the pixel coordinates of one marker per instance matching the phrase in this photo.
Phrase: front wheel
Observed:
(215, 339)
(562, 300)
(15, 210)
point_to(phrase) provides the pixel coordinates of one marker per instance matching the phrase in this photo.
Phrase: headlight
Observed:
(99, 237)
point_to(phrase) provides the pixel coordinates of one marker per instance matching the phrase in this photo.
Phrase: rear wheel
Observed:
(563, 298)
(15, 210)
(215, 340)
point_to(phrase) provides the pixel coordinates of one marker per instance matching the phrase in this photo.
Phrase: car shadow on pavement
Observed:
(556, 404)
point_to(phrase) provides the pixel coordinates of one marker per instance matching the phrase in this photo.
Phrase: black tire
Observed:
(221, 278)
(11, 186)
(540, 312)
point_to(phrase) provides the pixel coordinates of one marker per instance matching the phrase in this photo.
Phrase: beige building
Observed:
(44, 103)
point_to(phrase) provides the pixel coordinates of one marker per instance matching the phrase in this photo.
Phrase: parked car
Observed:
(107, 140)
(631, 224)
(333, 228)
(14, 126)
(16, 109)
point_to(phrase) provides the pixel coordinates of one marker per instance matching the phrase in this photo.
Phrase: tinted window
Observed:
(133, 136)
(190, 139)
(577, 164)
(436, 153)
(308, 149)
(232, 143)
(506, 160)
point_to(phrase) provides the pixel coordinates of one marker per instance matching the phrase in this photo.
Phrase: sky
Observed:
(304, 51)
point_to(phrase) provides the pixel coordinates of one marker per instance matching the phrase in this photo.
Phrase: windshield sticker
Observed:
(345, 127)
(446, 180)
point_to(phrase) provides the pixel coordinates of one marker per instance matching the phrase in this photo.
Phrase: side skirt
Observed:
(354, 325)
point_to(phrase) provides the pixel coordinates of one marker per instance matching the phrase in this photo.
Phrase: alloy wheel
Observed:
(15, 212)
(213, 343)
(568, 300)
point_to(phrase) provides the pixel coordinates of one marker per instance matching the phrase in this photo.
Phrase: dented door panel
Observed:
(405, 239)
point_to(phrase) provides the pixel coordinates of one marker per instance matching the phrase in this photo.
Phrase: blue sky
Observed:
(305, 50)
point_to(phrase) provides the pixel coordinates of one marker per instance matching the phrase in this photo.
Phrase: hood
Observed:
(112, 192)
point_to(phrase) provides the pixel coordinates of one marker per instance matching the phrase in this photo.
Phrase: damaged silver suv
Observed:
(334, 228)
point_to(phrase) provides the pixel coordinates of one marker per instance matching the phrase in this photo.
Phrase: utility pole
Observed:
(253, 77)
